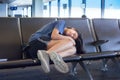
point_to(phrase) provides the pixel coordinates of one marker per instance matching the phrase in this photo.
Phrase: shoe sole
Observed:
(44, 63)
(60, 65)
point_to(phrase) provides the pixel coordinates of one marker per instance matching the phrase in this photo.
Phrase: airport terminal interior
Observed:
(97, 20)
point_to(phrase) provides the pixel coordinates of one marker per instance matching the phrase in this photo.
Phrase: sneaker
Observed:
(60, 65)
(44, 58)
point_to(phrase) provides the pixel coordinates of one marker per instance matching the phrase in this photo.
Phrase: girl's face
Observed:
(71, 32)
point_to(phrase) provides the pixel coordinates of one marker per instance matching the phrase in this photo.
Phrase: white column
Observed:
(3, 10)
(37, 8)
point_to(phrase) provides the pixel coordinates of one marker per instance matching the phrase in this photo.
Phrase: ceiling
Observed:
(6, 1)
(19, 2)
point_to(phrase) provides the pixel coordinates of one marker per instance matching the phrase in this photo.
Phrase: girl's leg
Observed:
(59, 45)
(57, 49)
(68, 52)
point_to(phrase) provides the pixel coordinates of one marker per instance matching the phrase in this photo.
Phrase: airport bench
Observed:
(16, 31)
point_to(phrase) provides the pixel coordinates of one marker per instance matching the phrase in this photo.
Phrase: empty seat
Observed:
(107, 29)
(10, 43)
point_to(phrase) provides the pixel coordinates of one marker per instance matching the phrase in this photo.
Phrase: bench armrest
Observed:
(99, 42)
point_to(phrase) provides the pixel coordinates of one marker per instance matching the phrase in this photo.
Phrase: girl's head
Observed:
(72, 32)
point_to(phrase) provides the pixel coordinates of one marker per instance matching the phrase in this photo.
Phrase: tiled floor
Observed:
(36, 73)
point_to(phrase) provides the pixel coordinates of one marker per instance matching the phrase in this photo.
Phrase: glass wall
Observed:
(73, 8)
(93, 8)
(76, 8)
(29, 11)
(54, 8)
(64, 8)
(112, 9)
(46, 10)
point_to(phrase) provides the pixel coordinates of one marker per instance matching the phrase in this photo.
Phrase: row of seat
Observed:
(100, 36)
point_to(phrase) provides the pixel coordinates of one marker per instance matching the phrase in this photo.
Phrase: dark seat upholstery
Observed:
(108, 29)
(10, 43)
(31, 25)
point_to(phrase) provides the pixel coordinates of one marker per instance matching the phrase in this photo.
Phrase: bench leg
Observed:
(86, 69)
(73, 68)
(105, 67)
(116, 62)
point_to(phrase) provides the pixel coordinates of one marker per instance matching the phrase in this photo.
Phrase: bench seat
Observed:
(73, 58)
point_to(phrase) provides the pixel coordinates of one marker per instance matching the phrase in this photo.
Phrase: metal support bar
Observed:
(73, 68)
(105, 67)
(116, 62)
(86, 69)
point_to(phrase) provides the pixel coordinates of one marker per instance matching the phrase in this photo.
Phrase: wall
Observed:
(3, 10)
